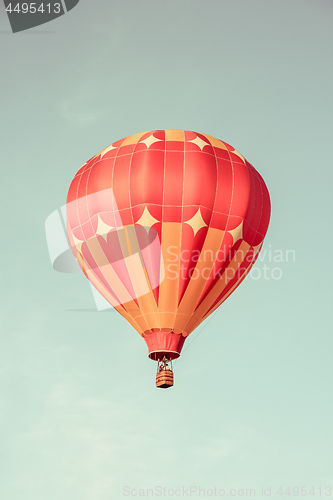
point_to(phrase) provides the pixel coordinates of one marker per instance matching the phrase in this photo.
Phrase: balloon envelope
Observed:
(166, 225)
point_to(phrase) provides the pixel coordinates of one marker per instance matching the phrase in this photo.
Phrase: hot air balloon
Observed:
(166, 225)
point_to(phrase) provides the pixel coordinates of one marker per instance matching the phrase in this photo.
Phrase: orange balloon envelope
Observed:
(166, 225)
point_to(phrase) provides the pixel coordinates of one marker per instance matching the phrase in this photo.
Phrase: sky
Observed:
(251, 408)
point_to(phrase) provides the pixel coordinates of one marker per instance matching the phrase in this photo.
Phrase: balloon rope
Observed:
(197, 335)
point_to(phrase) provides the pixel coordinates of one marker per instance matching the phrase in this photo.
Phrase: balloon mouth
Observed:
(160, 344)
(159, 355)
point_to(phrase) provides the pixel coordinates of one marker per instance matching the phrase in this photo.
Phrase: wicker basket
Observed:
(164, 379)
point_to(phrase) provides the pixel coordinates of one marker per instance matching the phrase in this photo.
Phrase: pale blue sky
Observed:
(252, 402)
